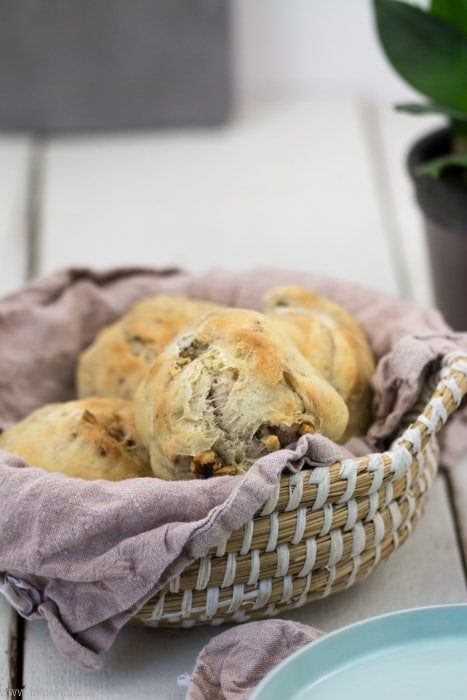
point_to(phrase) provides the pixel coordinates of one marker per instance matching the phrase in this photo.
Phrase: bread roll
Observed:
(229, 389)
(333, 342)
(90, 439)
(119, 357)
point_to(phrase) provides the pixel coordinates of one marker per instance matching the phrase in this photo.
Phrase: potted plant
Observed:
(428, 49)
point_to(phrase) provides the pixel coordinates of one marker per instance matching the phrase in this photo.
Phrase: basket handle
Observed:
(450, 389)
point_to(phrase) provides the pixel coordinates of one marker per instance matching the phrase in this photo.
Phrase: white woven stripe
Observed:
(271, 503)
(332, 575)
(380, 529)
(254, 568)
(174, 585)
(355, 569)
(271, 610)
(300, 525)
(247, 537)
(373, 506)
(217, 621)
(237, 597)
(187, 602)
(220, 551)
(455, 390)
(283, 558)
(376, 465)
(264, 593)
(401, 461)
(396, 516)
(295, 491)
(414, 436)
(337, 547)
(301, 600)
(230, 570)
(456, 362)
(273, 532)
(389, 493)
(212, 601)
(408, 526)
(287, 590)
(188, 623)
(327, 520)
(321, 477)
(349, 473)
(438, 413)
(204, 573)
(158, 609)
(358, 539)
(310, 557)
(423, 484)
(352, 514)
(241, 616)
(412, 505)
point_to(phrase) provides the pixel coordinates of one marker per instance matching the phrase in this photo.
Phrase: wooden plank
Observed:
(457, 476)
(286, 183)
(14, 185)
(15, 154)
(394, 134)
(427, 570)
(8, 648)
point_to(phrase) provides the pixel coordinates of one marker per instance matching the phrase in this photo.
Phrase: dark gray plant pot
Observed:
(112, 64)
(443, 202)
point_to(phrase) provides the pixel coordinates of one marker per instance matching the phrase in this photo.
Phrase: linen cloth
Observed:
(233, 663)
(87, 555)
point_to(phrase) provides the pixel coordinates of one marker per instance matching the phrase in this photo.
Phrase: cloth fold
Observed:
(95, 552)
(232, 664)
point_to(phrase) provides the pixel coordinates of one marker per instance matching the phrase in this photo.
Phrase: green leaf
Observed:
(436, 166)
(453, 11)
(426, 51)
(432, 108)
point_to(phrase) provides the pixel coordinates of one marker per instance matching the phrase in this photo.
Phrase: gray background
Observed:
(103, 64)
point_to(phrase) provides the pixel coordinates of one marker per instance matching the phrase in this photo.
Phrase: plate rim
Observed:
(349, 628)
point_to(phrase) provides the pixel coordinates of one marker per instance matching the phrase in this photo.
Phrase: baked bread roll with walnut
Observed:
(335, 344)
(90, 439)
(229, 389)
(122, 352)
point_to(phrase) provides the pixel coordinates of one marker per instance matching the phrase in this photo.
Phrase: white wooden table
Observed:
(305, 182)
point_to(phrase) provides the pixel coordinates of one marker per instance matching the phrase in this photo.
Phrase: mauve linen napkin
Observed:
(233, 663)
(87, 555)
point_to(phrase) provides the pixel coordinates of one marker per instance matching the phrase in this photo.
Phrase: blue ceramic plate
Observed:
(417, 653)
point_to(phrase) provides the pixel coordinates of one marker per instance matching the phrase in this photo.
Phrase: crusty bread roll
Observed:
(122, 352)
(227, 390)
(91, 439)
(335, 344)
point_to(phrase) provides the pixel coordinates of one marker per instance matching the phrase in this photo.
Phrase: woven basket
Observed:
(323, 529)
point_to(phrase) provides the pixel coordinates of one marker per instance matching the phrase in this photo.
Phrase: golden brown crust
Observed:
(91, 439)
(227, 390)
(122, 352)
(333, 341)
